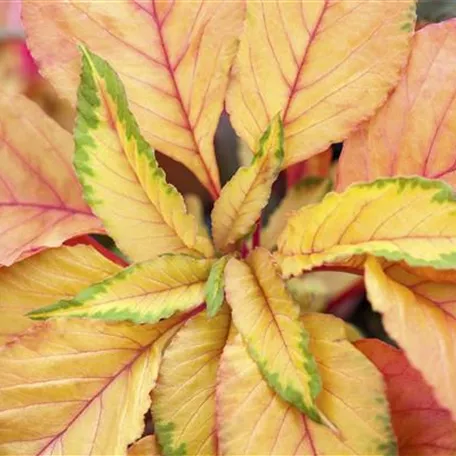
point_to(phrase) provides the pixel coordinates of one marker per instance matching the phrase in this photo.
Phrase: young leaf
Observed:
(316, 166)
(410, 219)
(143, 293)
(45, 278)
(421, 425)
(174, 58)
(419, 312)
(310, 190)
(325, 64)
(183, 402)
(252, 419)
(413, 133)
(40, 200)
(247, 193)
(79, 387)
(215, 286)
(268, 321)
(147, 446)
(121, 178)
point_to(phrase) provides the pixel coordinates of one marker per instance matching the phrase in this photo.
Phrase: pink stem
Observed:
(256, 242)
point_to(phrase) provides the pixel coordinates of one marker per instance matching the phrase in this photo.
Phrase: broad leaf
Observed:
(247, 193)
(410, 219)
(421, 425)
(310, 190)
(41, 203)
(78, 387)
(268, 320)
(183, 403)
(419, 312)
(174, 58)
(147, 446)
(252, 419)
(121, 178)
(143, 293)
(45, 278)
(413, 133)
(215, 286)
(326, 65)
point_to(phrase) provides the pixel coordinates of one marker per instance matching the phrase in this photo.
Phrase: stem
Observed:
(256, 242)
(244, 250)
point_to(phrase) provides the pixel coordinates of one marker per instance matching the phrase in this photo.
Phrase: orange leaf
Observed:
(421, 425)
(413, 133)
(147, 446)
(41, 202)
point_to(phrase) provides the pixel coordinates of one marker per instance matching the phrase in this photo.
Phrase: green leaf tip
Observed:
(215, 293)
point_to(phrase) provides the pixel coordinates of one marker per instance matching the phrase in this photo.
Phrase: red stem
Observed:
(334, 306)
(244, 250)
(256, 242)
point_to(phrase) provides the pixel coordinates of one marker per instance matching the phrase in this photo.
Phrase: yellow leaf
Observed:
(326, 65)
(79, 387)
(413, 133)
(143, 293)
(121, 178)
(44, 278)
(247, 193)
(147, 446)
(268, 321)
(174, 58)
(195, 207)
(419, 312)
(183, 402)
(410, 219)
(41, 203)
(252, 419)
(308, 191)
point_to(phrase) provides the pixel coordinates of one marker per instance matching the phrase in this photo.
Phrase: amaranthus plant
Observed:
(203, 328)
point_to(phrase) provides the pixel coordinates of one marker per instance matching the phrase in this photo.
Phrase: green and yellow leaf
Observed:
(215, 286)
(326, 65)
(41, 203)
(268, 320)
(183, 402)
(143, 293)
(309, 190)
(419, 312)
(174, 58)
(413, 133)
(247, 193)
(78, 386)
(253, 419)
(121, 178)
(147, 446)
(421, 425)
(409, 219)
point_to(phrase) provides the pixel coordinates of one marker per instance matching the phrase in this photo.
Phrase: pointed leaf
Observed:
(410, 219)
(215, 286)
(406, 137)
(326, 65)
(78, 386)
(247, 193)
(418, 307)
(252, 419)
(268, 321)
(122, 180)
(183, 402)
(143, 293)
(174, 58)
(147, 446)
(421, 425)
(41, 203)
(310, 190)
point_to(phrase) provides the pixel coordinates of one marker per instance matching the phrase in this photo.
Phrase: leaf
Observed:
(79, 386)
(309, 190)
(419, 312)
(421, 425)
(410, 219)
(252, 419)
(121, 178)
(215, 286)
(143, 293)
(316, 166)
(326, 65)
(183, 402)
(195, 207)
(45, 278)
(247, 193)
(40, 201)
(413, 133)
(147, 446)
(268, 321)
(174, 58)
